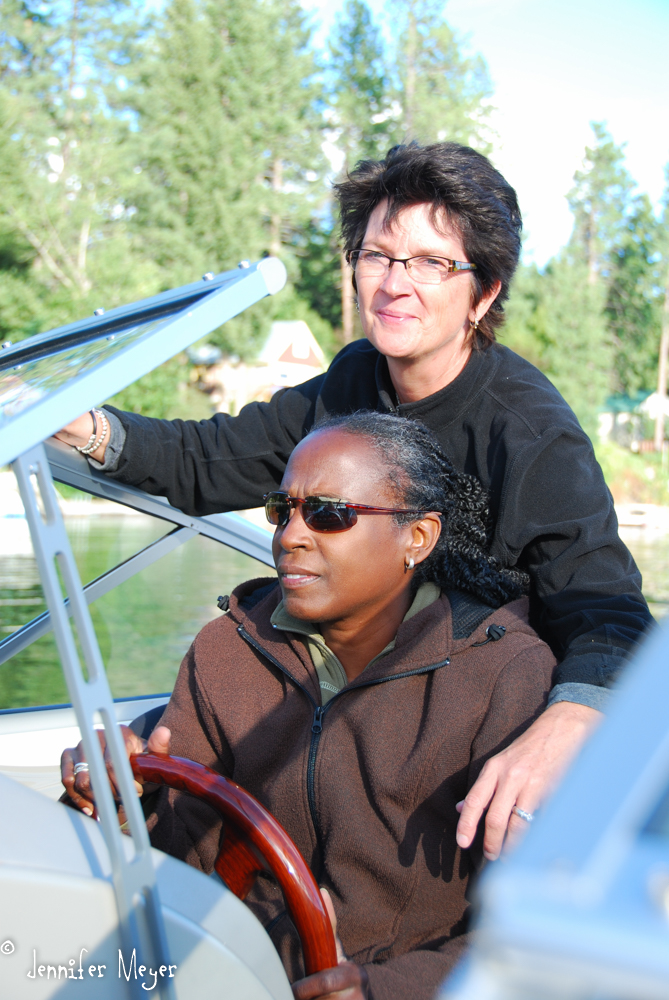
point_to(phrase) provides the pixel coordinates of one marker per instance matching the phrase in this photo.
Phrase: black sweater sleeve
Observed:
(558, 522)
(224, 463)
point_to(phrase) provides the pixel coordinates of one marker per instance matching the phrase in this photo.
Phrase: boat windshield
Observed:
(24, 384)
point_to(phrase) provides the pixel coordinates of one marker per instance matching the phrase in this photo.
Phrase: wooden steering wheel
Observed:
(254, 842)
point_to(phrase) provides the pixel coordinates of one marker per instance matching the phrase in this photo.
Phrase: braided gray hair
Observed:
(423, 478)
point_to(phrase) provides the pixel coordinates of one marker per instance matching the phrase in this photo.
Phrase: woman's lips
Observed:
(390, 316)
(297, 578)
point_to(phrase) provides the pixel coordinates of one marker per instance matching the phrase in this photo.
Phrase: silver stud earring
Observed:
(357, 305)
(409, 564)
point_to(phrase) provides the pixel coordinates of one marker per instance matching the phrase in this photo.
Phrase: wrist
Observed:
(574, 712)
(89, 434)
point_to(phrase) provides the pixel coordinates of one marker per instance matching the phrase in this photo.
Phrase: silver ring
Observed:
(528, 817)
(81, 766)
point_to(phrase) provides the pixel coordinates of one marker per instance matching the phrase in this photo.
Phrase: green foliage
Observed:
(634, 300)
(319, 279)
(592, 320)
(521, 331)
(63, 163)
(578, 354)
(138, 152)
(556, 321)
(228, 135)
(617, 238)
(359, 88)
(633, 478)
(158, 393)
(600, 201)
(443, 94)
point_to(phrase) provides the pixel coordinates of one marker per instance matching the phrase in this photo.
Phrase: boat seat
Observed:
(58, 914)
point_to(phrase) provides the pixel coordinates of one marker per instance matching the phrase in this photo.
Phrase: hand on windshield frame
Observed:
(78, 434)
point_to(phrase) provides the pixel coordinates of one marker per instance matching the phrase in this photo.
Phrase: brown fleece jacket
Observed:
(374, 812)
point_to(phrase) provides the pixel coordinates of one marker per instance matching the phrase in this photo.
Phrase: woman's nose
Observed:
(295, 534)
(397, 280)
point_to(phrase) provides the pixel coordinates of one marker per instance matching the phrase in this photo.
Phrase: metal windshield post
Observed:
(140, 914)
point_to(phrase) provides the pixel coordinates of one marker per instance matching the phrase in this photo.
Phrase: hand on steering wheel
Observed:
(254, 842)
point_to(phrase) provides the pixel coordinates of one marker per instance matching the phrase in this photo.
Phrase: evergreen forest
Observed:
(144, 145)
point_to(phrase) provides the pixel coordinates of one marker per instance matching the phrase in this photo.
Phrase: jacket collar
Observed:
(422, 641)
(453, 399)
(286, 649)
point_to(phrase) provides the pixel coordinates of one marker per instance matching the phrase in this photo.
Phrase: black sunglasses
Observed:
(323, 513)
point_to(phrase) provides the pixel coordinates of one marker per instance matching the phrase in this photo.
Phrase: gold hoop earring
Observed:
(409, 564)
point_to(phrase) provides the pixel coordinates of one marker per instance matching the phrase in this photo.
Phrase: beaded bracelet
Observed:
(94, 441)
(91, 438)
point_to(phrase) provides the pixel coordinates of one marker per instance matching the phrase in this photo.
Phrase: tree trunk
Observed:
(346, 301)
(591, 249)
(81, 256)
(662, 373)
(275, 222)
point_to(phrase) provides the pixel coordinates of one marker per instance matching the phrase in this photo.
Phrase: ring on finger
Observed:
(81, 766)
(527, 816)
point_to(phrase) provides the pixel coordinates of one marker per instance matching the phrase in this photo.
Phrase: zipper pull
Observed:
(317, 725)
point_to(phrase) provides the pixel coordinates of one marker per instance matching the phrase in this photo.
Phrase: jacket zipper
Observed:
(316, 728)
(319, 713)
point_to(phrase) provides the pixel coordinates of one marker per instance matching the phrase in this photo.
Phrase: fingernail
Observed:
(489, 857)
(461, 840)
(89, 812)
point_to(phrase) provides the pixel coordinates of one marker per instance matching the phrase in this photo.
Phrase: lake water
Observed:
(145, 626)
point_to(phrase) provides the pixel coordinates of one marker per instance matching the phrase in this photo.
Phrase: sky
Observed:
(557, 65)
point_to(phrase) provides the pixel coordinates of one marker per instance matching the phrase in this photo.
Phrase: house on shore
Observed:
(290, 355)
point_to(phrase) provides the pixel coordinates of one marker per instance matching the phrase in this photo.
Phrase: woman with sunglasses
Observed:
(433, 238)
(358, 699)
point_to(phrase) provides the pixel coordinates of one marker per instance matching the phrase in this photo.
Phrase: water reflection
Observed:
(144, 626)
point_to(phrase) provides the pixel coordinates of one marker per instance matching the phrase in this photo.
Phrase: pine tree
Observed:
(359, 86)
(633, 300)
(555, 319)
(578, 352)
(442, 93)
(600, 202)
(230, 143)
(62, 205)
(360, 116)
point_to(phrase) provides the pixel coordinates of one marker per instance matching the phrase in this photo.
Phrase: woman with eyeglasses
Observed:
(358, 698)
(433, 238)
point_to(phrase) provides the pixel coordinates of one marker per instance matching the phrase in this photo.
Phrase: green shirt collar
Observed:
(331, 674)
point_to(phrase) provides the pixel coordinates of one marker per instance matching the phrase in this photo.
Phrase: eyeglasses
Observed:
(323, 513)
(426, 270)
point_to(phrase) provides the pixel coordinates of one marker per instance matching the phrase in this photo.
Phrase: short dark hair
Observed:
(423, 478)
(478, 202)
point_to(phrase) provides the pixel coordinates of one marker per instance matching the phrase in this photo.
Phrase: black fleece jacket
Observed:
(500, 420)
